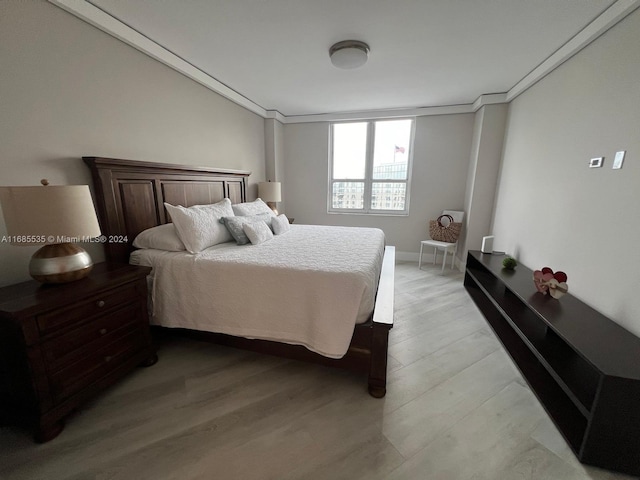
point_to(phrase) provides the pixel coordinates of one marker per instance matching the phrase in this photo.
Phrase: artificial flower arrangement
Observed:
(554, 283)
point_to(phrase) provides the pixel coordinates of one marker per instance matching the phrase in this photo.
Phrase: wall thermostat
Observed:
(596, 162)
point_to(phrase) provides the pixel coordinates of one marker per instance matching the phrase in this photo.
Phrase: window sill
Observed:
(370, 214)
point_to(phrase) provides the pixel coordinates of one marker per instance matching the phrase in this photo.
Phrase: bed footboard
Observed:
(382, 323)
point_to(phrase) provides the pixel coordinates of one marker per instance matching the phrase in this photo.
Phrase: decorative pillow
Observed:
(199, 227)
(234, 225)
(280, 224)
(162, 237)
(252, 208)
(257, 232)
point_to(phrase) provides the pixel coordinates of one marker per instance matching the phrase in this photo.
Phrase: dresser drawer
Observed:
(91, 336)
(53, 321)
(95, 365)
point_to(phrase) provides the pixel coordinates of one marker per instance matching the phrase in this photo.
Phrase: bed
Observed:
(130, 198)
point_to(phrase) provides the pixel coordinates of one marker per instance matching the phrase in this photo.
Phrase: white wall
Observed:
(440, 164)
(68, 90)
(554, 211)
(482, 180)
(274, 154)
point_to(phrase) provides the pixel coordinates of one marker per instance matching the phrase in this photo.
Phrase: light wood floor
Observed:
(456, 408)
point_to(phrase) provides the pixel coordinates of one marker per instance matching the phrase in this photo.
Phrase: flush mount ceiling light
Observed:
(349, 54)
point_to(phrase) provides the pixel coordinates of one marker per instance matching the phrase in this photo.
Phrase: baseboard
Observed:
(409, 256)
(427, 258)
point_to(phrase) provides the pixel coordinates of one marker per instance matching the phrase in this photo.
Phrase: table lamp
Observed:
(270, 192)
(58, 217)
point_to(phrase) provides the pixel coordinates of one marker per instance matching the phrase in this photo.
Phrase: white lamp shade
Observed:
(270, 191)
(48, 214)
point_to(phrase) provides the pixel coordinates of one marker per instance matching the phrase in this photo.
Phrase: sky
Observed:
(349, 140)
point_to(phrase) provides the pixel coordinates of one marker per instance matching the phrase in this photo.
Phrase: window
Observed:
(370, 166)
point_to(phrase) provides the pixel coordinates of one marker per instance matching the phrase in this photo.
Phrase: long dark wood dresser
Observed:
(583, 367)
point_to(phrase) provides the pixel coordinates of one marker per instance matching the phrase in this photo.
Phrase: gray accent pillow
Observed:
(235, 225)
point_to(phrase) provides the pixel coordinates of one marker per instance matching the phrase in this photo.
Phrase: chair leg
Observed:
(444, 260)
(420, 259)
(435, 255)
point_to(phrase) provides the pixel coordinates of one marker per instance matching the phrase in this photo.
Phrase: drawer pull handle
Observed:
(107, 359)
(103, 331)
(100, 303)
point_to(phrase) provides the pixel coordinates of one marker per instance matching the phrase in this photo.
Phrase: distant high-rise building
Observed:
(384, 195)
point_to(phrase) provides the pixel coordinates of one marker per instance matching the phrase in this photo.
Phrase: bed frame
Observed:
(130, 197)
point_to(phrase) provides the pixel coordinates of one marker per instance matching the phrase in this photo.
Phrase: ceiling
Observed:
(424, 53)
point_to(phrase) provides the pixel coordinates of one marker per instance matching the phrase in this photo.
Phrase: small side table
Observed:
(61, 345)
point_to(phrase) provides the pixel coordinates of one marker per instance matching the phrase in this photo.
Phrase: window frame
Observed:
(368, 179)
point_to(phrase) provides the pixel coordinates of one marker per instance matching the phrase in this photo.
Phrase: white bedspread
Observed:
(309, 286)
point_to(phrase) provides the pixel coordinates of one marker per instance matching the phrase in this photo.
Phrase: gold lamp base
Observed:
(60, 263)
(272, 206)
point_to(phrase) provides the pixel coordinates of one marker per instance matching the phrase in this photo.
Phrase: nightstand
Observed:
(60, 345)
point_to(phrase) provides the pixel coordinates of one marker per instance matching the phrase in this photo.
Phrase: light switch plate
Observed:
(619, 158)
(596, 162)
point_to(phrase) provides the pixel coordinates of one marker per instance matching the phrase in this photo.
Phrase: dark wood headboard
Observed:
(130, 195)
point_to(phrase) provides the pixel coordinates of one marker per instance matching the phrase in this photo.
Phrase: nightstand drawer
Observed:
(90, 336)
(96, 364)
(52, 322)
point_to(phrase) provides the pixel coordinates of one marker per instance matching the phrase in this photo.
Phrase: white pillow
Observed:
(162, 237)
(280, 224)
(199, 226)
(257, 232)
(252, 208)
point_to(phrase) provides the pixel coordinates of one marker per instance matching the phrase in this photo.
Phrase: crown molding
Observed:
(276, 115)
(489, 99)
(114, 27)
(597, 27)
(108, 24)
(481, 101)
(371, 114)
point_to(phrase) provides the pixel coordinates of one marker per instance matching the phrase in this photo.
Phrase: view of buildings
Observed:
(385, 195)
